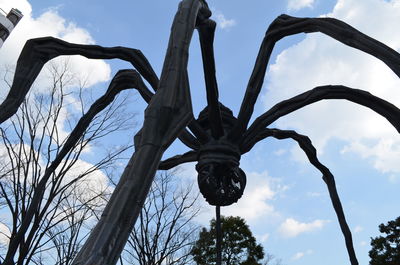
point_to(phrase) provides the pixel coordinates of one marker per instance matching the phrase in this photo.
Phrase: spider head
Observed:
(220, 179)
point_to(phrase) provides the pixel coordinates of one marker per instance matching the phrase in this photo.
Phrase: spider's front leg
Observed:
(308, 148)
(206, 29)
(37, 52)
(286, 25)
(167, 114)
(124, 79)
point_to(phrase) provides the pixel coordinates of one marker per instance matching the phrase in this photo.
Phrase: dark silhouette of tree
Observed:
(49, 195)
(239, 247)
(386, 249)
(165, 231)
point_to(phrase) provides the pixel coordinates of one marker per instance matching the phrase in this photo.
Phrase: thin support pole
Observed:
(219, 234)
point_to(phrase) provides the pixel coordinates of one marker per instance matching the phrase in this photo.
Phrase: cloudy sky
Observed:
(286, 202)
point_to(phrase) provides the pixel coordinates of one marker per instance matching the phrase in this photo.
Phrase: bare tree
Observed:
(49, 194)
(166, 230)
(270, 259)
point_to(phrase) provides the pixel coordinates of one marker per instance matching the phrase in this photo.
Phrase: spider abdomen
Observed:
(220, 179)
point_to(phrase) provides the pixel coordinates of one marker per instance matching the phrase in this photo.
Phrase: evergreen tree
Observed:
(239, 247)
(386, 249)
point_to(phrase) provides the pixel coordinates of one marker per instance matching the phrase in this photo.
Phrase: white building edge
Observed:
(8, 23)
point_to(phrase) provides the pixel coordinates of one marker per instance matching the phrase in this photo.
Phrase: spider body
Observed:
(220, 179)
(216, 139)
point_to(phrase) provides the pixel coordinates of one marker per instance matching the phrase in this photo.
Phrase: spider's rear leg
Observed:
(174, 161)
(361, 97)
(257, 130)
(285, 25)
(308, 148)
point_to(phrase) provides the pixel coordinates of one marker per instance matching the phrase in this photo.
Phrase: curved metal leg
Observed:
(382, 107)
(308, 148)
(167, 114)
(206, 33)
(37, 52)
(174, 161)
(286, 25)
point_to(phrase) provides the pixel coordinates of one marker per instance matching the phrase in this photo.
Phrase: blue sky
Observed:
(286, 202)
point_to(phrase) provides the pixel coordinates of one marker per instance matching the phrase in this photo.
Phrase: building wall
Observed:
(6, 26)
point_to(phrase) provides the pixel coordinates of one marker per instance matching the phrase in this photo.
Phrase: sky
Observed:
(286, 202)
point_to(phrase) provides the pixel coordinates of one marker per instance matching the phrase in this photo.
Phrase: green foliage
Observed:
(386, 249)
(239, 247)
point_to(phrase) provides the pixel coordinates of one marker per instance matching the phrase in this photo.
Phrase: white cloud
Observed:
(280, 152)
(300, 255)
(314, 194)
(87, 187)
(292, 227)
(91, 189)
(187, 173)
(384, 154)
(363, 243)
(394, 178)
(294, 5)
(297, 154)
(264, 237)
(4, 234)
(92, 184)
(358, 229)
(21, 5)
(320, 60)
(255, 203)
(223, 22)
(51, 23)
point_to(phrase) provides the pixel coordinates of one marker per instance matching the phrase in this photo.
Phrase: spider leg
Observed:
(138, 84)
(206, 34)
(286, 25)
(174, 161)
(167, 114)
(308, 148)
(257, 129)
(194, 126)
(380, 106)
(37, 52)
(123, 80)
(185, 136)
(188, 139)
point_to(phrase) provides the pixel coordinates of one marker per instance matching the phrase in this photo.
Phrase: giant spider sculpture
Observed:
(217, 138)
